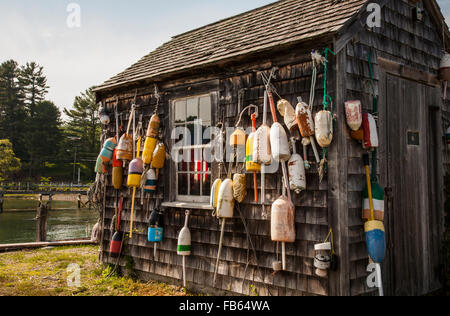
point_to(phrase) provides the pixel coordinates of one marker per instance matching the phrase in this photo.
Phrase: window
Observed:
(191, 135)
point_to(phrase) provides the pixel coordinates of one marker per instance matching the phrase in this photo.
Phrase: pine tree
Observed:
(34, 85)
(83, 127)
(12, 109)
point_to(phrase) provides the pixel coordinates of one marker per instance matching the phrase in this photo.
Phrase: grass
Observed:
(44, 273)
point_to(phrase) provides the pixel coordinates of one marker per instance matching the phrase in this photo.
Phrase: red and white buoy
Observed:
(353, 112)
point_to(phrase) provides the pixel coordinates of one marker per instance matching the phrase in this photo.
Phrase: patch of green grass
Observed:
(44, 273)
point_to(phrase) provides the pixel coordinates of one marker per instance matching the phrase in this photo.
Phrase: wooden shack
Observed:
(213, 72)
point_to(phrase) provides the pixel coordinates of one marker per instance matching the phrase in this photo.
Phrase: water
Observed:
(20, 226)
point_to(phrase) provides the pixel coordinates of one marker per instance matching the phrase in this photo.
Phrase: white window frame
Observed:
(190, 198)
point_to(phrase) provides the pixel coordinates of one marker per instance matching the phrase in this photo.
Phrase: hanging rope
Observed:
(374, 176)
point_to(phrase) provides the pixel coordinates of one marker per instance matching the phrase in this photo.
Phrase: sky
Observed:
(112, 35)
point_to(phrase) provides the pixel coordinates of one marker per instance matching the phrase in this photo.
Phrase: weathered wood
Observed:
(408, 72)
(41, 221)
(24, 246)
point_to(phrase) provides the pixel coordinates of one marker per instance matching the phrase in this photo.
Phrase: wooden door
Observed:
(410, 179)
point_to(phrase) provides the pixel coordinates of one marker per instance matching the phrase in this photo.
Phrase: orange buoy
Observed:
(153, 126)
(159, 156)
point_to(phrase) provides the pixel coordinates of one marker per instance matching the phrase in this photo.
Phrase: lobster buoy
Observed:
(262, 152)
(125, 148)
(297, 173)
(153, 126)
(322, 260)
(353, 112)
(288, 112)
(283, 221)
(238, 138)
(448, 138)
(444, 68)
(375, 233)
(150, 181)
(225, 204)
(250, 165)
(184, 245)
(107, 152)
(279, 143)
(156, 227)
(239, 187)
(375, 240)
(149, 148)
(370, 132)
(159, 156)
(116, 244)
(378, 202)
(115, 247)
(103, 115)
(215, 193)
(117, 172)
(135, 171)
(324, 128)
(305, 120)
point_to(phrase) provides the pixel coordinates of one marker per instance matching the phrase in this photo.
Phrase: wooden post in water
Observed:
(41, 220)
(79, 201)
(1, 202)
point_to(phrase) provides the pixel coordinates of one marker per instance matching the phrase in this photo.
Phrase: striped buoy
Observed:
(378, 202)
(107, 152)
(135, 171)
(156, 227)
(117, 172)
(150, 181)
(184, 245)
(375, 240)
(370, 132)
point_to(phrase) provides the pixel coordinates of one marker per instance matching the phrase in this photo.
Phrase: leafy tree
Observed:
(9, 163)
(34, 85)
(83, 126)
(12, 109)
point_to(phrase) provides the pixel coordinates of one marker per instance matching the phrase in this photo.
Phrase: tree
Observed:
(9, 163)
(34, 85)
(12, 109)
(84, 125)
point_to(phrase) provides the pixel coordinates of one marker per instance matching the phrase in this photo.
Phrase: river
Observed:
(65, 223)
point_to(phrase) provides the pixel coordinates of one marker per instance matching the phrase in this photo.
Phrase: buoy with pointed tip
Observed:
(184, 244)
(238, 138)
(375, 233)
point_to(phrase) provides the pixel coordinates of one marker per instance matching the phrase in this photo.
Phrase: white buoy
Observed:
(297, 173)
(184, 245)
(353, 113)
(279, 143)
(324, 128)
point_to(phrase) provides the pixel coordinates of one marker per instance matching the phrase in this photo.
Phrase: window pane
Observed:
(205, 110)
(192, 109)
(180, 111)
(207, 184)
(182, 184)
(195, 184)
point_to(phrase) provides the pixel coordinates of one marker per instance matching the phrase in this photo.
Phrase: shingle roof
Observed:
(275, 24)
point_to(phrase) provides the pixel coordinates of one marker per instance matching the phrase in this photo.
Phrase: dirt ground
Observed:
(45, 272)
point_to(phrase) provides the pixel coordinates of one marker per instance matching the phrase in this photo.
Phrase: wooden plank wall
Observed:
(401, 40)
(293, 80)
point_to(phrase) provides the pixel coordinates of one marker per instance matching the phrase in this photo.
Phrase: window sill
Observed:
(188, 205)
